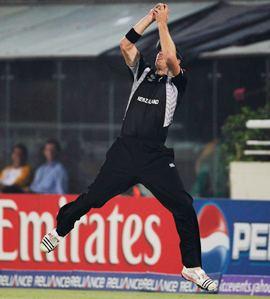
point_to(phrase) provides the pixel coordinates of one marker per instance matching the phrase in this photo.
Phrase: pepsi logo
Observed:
(215, 239)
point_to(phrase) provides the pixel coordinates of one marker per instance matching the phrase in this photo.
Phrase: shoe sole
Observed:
(201, 287)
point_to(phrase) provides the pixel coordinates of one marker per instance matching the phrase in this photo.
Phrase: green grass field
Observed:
(67, 294)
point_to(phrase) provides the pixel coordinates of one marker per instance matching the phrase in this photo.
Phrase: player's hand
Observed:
(159, 5)
(161, 12)
(151, 15)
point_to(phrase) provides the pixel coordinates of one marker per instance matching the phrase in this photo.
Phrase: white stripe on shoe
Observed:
(49, 242)
(46, 242)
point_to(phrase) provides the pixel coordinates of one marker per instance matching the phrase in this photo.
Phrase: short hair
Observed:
(55, 143)
(23, 149)
(178, 55)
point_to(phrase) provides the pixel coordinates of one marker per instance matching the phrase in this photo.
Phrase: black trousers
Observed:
(130, 161)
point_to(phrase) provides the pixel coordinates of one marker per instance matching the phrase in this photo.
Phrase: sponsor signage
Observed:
(148, 282)
(134, 234)
(235, 236)
(256, 285)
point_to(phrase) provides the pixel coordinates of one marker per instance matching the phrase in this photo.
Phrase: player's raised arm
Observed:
(168, 49)
(129, 50)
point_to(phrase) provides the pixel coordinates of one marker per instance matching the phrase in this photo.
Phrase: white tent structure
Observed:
(260, 48)
(73, 30)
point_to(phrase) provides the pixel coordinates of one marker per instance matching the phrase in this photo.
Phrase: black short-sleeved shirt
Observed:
(152, 103)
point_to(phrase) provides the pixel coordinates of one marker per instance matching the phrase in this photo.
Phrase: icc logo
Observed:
(215, 239)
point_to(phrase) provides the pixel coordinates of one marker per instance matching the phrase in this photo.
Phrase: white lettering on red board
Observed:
(133, 227)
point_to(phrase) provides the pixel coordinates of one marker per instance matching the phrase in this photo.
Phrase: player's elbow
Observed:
(124, 45)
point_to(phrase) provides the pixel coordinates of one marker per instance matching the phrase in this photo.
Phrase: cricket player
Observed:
(139, 154)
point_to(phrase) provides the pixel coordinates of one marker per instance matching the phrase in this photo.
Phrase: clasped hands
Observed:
(159, 13)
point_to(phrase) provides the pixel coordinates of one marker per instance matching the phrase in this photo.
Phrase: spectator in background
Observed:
(17, 176)
(51, 177)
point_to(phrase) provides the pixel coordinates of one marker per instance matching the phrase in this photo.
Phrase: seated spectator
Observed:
(17, 176)
(51, 177)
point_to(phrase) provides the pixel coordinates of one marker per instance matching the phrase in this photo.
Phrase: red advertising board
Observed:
(132, 233)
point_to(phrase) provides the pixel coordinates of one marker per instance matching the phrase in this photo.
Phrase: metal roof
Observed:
(73, 30)
(260, 48)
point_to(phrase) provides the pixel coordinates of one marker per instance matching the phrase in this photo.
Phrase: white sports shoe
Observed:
(49, 242)
(200, 278)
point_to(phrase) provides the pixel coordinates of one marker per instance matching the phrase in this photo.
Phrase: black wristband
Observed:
(133, 36)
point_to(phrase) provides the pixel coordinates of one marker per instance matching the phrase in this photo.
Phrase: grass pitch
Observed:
(68, 294)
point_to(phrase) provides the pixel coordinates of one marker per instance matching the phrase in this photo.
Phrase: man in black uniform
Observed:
(139, 154)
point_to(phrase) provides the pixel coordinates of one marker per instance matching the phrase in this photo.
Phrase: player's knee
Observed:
(97, 204)
(188, 199)
(95, 200)
(83, 203)
(184, 206)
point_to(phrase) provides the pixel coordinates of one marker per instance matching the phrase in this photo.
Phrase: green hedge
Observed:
(235, 134)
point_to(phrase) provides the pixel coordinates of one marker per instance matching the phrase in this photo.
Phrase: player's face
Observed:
(160, 62)
(50, 152)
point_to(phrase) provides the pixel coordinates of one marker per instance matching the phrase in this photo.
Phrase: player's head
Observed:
(51, 150)
(160, 61)
(19, 154)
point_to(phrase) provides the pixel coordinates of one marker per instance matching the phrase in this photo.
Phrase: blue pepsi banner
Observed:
(235, 236)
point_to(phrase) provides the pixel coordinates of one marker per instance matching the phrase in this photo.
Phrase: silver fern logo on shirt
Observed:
(148, 101)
